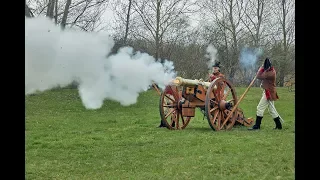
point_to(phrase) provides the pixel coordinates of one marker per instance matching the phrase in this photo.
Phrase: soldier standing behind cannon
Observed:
(216, 72)
(267, 74)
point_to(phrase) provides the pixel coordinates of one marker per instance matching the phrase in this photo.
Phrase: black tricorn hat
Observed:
(217, 64)
(267, 64)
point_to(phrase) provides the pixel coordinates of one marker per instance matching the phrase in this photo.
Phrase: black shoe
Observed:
(257, 125)
(173, 124)
(162, 124)
(278, 123)
(254, 127)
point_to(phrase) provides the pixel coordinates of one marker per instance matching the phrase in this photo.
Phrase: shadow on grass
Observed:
(202, 129)
(208, 129)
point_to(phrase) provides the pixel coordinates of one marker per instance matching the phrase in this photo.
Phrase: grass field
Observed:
(66, 141)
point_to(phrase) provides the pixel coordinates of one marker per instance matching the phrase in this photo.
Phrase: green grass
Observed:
(66, 141)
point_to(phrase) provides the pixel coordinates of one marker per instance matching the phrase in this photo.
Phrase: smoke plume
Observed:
(249, 57)
(248, 61)
(211, 53)
(57, 58)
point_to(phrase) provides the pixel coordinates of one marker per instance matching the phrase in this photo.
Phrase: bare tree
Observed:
(56, 12)
(87, 16)
(284, 12)
(226, 15)
(38, 7)
(163, 28)
(127, 22)
(84, 14)
(50, 8)
(255, 15)
(124, 19)
(158, 16)
(65, 14)
(27, 11)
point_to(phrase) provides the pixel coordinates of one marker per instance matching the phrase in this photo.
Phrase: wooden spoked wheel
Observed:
(220, 99)
(170, 108)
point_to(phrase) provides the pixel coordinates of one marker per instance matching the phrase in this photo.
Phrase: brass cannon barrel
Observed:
(179, 81)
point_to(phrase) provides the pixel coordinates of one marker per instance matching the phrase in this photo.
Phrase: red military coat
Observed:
(268, 83)
(216, 75)
(220, 88)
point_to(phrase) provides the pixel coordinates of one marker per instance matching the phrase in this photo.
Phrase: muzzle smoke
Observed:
(211, 54)
(249, 57)
(248, 62)
(57, 58)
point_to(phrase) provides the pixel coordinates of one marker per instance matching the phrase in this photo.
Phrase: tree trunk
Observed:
(157, 55)
(27, 11)
(50, 9)
(283, 64)
(65, 14)
(56, 12)
(127, 23)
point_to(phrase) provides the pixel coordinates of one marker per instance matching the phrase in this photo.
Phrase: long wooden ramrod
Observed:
(156, 88)
(235, 106)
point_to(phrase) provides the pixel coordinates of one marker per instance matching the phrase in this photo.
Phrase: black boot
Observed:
(173, 124)
(278, 123)
(162, 124)
(257, 124)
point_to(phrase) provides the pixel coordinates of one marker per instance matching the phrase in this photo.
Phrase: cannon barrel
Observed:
(179, 81)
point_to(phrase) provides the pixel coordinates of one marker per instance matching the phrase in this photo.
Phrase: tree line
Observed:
(181, 30)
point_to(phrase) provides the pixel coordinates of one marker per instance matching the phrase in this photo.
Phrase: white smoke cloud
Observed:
(248, 61)
(249, 56)
(211, 54)
(57, 58)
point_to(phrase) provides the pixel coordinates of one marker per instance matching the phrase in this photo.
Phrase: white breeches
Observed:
(264, 104)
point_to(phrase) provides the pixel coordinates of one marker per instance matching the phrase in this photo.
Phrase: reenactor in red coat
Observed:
(267, 74)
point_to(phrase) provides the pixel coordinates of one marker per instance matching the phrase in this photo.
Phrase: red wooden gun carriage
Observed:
(217, 100)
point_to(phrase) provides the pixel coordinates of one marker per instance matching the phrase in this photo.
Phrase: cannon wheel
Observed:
(217, 104)
(170, 112)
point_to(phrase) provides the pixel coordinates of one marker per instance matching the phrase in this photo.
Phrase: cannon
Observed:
(217, 100)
